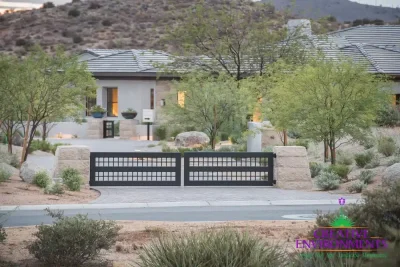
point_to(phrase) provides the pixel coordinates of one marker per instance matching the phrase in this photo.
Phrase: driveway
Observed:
(112, 194)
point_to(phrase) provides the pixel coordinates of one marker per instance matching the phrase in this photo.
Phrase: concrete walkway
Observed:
(212, 194)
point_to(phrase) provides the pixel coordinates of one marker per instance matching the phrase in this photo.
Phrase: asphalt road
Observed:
(182, 214)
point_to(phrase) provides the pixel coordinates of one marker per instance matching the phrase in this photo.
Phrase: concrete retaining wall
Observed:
(77, 157)
(292, 169)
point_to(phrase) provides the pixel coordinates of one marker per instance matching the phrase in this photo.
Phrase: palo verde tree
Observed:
(327, 100)
(210, 103)
(49, 86)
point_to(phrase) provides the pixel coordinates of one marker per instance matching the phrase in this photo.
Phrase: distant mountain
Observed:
(343, 10)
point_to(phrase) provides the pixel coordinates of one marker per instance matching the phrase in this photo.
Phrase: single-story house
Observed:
(128, 79)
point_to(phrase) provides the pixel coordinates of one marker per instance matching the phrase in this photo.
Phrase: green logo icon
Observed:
(342, 221)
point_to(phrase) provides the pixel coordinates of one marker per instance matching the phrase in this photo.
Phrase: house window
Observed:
(112, 102)
(90, 102)
(151, 98)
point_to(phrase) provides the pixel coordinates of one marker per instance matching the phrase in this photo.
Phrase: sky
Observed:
(27, 4)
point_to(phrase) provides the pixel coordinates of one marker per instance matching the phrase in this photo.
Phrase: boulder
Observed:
(9, 168)
(391, 175)
(17, 139)
(28, 171)
(191, 139)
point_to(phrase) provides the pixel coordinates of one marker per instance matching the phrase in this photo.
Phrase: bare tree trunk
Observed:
(285, 141)
(214, 130)
(333, 152)
(44, 131)
(9, 138)
(24, 146)
(326, 151)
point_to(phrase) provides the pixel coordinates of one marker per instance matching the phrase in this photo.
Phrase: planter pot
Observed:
(129, 115)
(98, 115)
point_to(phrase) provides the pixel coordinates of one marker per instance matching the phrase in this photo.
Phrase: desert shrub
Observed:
(341, 170)
(268, 149)
(301, 142)
(235, 138)
(72, 179)
(226, 149)
(327, 181)
(366, 176)
(363, 159)
(72, 241)
(356, 187)
(74, 13)
(77, 39)
(161, 132)
(21, 42)
(167, 149)
(3, 234)
(393, 161)
(41, 179)
(48, 5)
(367, 142)
(4, 175)
(388, 116)
(54, 189)
(293, 134)
(54, 147)
(375, 162)
(212, 248)
(344, 158)
(315, 168)
(40, 145)
(224, 136)
(379, 210)
(106, 23)
(175, 132)
(386, 146)
(94, 5)
(10, 159)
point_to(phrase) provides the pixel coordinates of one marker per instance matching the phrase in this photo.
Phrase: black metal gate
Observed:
(108, 129)
(135, 169)
(229, 168)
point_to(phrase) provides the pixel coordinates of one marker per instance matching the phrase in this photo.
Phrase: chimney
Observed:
(301, 25)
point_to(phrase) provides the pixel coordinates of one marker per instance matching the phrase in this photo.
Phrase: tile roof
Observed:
(126, 61)
(377, 46)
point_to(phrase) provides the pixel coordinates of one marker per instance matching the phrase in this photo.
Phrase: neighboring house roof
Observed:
(378, 46)
(108, 62)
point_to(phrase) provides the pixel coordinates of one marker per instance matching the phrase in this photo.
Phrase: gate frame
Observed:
(269, 168)
(176, 168)
(105, 129)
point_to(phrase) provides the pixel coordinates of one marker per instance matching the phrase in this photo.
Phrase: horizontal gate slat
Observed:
(228, 169)
(135, 169)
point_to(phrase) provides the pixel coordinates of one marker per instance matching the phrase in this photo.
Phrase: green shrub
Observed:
(224, 136)
(315, 168)
(375, 162)
(226, 149)
(167, 149)
(54, 189)
(327, 181)
(212, 248)
(368, 142)
(388, 116)
(386, 146)
(363, 159)
(393, 161)
(3, 234)
(356, 187)
(175, 132)
(301, 142)
(379, 210)
(72, 241)
(4, 175)
(235, 138)
(41, 179)
(293, 134)
(161, 132)
(74, 13)
(366, 176)
(116, 128)
(40, 145)
(341, 170)
(72, 179)
(343, 158)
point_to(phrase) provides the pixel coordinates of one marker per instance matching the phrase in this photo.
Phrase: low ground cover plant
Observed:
(366, 176)
(54, 189)
(327, 181)
(344, 158)
(212, 248)
(357, 187)
(72, 179)
(41, 179)
(386, 146)
(315, 168)
(10, 159)
(4, 175)
(72, 241)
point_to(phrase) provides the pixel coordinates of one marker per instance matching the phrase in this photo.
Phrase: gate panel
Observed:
(229, 168)
(108, 129)
(135, 169)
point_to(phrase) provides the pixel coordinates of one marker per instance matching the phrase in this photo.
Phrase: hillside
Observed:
(343, 10)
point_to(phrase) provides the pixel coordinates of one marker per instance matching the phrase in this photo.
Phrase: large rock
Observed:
(17, 139)
(192, 139)
(391, 175)
(9, 168)
(28, 171)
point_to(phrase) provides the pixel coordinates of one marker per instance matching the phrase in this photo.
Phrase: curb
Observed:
(179, 204)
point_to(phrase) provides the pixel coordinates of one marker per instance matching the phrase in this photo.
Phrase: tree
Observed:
(237, 39)
(211, 102)
(328, 101)
(49, 86)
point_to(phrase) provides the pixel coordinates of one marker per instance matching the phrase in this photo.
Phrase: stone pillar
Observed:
(291, 168)
(254, 139)
(77, 157)
(95, 129)
(127, 129)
